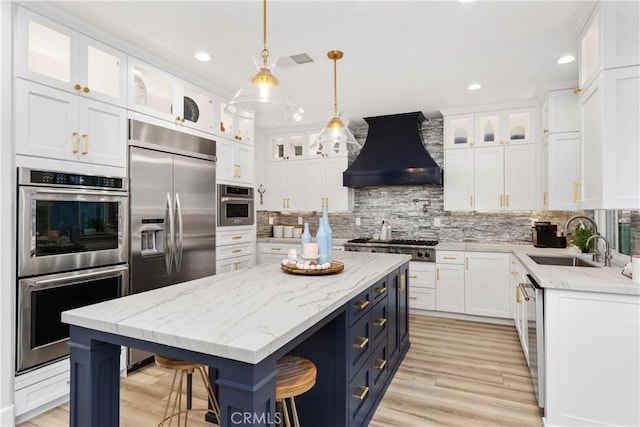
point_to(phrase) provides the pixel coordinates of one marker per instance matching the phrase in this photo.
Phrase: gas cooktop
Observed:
(395, 242)
(420, 250)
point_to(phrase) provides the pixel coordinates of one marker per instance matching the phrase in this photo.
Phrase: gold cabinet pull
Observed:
(576, 90)
(437, 274)
(85, 138)
(470, 201)
(363, 342)
(413, 297)
(363, 394)
(403, 282)
(235, 251)
(518, 296)
(501, 200)
(382, 290)
(412, 276)
(239, 171)
(467, 262)
(86, 89)
(76, 142)
(545, 130)
(276, 249)
(380, 322)
(544, 198)
(380, 364)
(284, 203)
(575, 192)
(507, 200)
(450, 257)
(236, 238)
(361, 305)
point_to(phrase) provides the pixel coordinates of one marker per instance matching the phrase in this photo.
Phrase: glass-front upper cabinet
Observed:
(239, 128)
(197, 108)
(459, 131)
(488, 131)
(54, 55)
(152, 91)
(519, 126)
(287, 146)
(504, 127)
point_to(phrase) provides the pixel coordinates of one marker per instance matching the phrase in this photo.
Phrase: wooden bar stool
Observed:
(296, 375)
(184, 368)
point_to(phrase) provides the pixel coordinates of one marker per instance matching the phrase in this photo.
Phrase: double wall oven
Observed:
(72, 251)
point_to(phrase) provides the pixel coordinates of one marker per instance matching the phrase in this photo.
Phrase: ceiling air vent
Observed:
(290, 61)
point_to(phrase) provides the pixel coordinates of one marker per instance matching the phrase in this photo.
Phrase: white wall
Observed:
(7, 241)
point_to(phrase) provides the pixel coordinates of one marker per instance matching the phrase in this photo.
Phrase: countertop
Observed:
(596, 279)
(336, 242)
(242, 315)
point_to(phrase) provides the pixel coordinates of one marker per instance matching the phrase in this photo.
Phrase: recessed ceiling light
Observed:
(465, 1)
(474, 86)
(203, 56)
(566, 59)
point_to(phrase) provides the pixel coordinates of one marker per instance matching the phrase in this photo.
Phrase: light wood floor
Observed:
(456, 373)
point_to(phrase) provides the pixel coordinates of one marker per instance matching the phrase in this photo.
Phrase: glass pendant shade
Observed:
(335, 136)
(262, 99)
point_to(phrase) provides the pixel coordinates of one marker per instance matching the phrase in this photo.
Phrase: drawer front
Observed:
(379, 322)
(41, 393)
(422, 274)
(360, 396)
(233, 251)
(449, 257)
(359, 306)
(277, 248)
(379, 290)
(359, 344)
(234, 237)
(423, 299)
(379, 366)
(233, 264)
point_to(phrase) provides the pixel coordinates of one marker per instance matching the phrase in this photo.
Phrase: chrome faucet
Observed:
(566, 224)
(607, 253)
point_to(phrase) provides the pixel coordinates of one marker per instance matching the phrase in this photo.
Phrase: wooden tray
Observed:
(336, 267)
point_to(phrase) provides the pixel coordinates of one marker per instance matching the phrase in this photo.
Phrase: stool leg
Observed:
(166, 408)
(294, 413)
(285, 413)
(215, 408)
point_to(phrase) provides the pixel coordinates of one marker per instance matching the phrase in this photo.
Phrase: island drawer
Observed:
(379, 321)
(359, 306)
(359, 344)
(360, 396)
(379, 290)
(379, 367)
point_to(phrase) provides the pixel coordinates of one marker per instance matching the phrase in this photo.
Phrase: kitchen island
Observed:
(352, 325)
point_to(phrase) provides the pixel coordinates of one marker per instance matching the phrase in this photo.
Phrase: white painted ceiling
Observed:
(399, 56)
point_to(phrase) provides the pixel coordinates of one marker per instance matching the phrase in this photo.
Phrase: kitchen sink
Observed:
(569, 261)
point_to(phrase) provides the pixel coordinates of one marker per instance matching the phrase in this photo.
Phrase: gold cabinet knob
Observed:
(177, 118)
(545, 130)
(85, 89)
(77, 86)
(577, 90)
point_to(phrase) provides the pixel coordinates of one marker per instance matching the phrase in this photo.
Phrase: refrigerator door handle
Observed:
(168, 234)
(178, 235)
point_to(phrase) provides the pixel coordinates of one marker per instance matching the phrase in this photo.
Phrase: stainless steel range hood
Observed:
(393, 154)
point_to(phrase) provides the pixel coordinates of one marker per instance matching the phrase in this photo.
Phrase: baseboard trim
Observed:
(7, 417)
(460, 316)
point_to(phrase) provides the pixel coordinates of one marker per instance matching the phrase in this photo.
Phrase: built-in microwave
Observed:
(235, 205)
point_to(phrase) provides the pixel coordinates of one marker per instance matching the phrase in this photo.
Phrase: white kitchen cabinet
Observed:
(504, 127)
(518, 306)
(324, 185)
(592, 349)
(422, 289)
(235, 162)
(57, 56)
(505, 178)
(560, 112)
(275, 252)
(232, 127)
(286, 189)
(56, 124)
(450, 281)
(610, 39)
(486, 289)
(290, 146)
(563, 171)
(234, 248)
(459, 180)
(459, 130)
(609, 110)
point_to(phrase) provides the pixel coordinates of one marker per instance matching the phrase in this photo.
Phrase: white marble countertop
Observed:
(336, 242)
(596, 279)
(242, 315)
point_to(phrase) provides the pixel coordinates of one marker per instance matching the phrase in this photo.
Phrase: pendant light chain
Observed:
(265, 51)
(335, 86)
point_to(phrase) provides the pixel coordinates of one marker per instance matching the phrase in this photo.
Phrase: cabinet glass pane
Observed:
(310, 138)
(519, 126)
(488, 129)
(245, 129)
(49, 52)
(103, 71)
(226, 120)
(277, 145)
(153, 90)
(296, 147)
(198, 108)
(460, 131)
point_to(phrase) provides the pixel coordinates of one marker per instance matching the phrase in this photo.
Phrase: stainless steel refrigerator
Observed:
(172, 208)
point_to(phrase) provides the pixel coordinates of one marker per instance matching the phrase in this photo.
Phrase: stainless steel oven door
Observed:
(62, 229)
(235, 211)
(41, 335)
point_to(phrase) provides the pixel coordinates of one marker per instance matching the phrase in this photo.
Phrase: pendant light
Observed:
(262, 99)
(335, 136)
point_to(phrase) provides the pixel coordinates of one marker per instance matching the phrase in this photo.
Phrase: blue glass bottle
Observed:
(321, 239)
(305, 238)
(327, 229)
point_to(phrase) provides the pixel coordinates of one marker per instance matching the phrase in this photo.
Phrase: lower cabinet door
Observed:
(422, 298)
(360, 396)
(379, 367)
(359, 344)
(379, 322)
